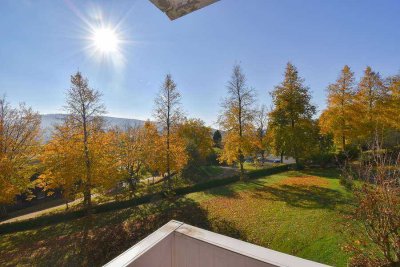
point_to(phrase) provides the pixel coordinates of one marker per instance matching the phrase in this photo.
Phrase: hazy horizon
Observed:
(46, 43)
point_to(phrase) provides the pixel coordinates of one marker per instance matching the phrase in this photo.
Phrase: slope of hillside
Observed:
(49, 121)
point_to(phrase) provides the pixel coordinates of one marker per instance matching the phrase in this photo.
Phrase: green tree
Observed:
(217, 138)
(291, 117)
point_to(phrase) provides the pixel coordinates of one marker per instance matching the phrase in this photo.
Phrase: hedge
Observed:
(46, 220)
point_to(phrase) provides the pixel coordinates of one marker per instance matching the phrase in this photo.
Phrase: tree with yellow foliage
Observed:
(64, 160)
(168, 115)
(151, 146)
(369, 107)
(392, 111)
(129, 146)
(198, 139)
(236, 119)
(19, 147)
(137, 150)
(81, 141)
(337, 116)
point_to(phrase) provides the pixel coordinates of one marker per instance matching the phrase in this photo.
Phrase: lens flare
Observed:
(105, 40)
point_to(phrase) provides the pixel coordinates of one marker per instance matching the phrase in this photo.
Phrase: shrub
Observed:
(378, 209)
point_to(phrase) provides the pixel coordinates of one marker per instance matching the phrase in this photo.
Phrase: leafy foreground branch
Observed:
(378, 210)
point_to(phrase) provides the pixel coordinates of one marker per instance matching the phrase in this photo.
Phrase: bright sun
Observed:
(106, 40)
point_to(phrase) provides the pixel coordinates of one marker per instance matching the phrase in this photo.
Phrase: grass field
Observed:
(299, 213)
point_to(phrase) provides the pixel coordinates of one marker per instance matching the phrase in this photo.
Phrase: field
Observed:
(299, 213)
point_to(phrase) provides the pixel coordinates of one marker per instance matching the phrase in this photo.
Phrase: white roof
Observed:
(181, 245)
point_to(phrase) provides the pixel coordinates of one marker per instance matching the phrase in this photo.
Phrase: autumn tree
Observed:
(168, 114)
(370, 100)
(217, 138)
(154, 154)
(65, 165)
(19, 148)
(198, 141)
(337, 117)
(83, 126)
(261, 138)
(291, 117)
(392, 110)
(236, 119)
(129, 144)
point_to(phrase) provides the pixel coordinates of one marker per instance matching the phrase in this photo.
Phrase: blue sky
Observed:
(43, 42)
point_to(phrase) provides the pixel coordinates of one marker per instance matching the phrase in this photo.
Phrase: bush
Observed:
(323, 159)
(377, 208)
(352, 152)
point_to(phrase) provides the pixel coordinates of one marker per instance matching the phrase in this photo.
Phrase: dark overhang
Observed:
(178, 8)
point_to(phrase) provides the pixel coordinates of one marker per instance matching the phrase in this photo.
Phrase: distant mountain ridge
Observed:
(49, 121)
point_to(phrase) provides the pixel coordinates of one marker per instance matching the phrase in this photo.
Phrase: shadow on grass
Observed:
(327, 173)
(94, 240)
(306, 197)
(223, 191)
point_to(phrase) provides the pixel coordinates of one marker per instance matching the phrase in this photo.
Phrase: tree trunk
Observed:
(3, 211)
(88, 185)
(169, 186)
(87, 197)
(241, 171)
(343, 142)
(262, 157)
(132, 188)
(296, 157)
(281, 156)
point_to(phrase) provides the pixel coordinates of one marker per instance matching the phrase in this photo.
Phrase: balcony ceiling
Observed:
(178, 8)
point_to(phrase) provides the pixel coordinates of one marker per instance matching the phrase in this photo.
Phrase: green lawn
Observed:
(300, 213)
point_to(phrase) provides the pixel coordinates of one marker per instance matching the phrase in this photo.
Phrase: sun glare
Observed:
(105, 40)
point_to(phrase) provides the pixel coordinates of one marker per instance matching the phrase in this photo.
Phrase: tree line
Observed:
(85, 154)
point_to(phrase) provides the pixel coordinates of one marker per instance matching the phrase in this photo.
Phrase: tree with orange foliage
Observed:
(80, 141)
(65, 161)
(19, 147)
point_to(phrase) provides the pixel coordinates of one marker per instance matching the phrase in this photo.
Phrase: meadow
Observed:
(302, 213)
